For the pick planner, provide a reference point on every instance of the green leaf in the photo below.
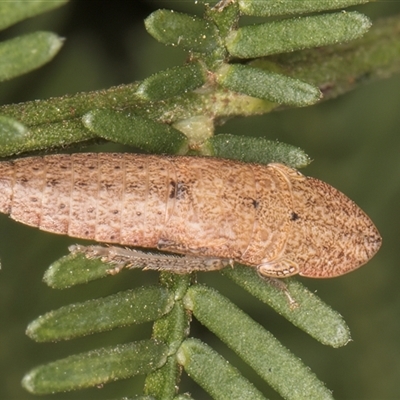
(136, 131)
(271, 8)
(12, 132)
(255, 345)
(257, 150)
(12, 12)
(96, 367)
(47, 136)
(267, 85)
(212, 372)
(138, 397)
(312, 315)
(134, 306)
(184, 30)
(341, 68)
(296, 34)
(184, 396)
(75, 269)
(225, 16)
(26, 53)
(172, 82)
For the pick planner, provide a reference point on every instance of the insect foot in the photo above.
(280, 285)
(212, 212)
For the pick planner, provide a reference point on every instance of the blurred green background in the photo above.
(354, 142)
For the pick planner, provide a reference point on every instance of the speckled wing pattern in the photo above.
(265, 216)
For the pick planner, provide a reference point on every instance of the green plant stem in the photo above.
(172, 330)
(12, 12)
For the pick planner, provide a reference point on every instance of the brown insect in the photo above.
(213, 211)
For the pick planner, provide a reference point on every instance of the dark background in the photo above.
(354, 142)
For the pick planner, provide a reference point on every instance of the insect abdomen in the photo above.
(104, 197)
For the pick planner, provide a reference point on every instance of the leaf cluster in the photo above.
(231, 70)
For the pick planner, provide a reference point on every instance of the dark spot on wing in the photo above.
(181, 190)
(81, 183)
(172, 189)
(53, 182)
(294, 216)
(178, 190)
(255, 203)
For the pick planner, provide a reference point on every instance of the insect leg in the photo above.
(279, 268)
(120, 257)
(279, 284)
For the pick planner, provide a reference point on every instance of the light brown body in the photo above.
(266, 216)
